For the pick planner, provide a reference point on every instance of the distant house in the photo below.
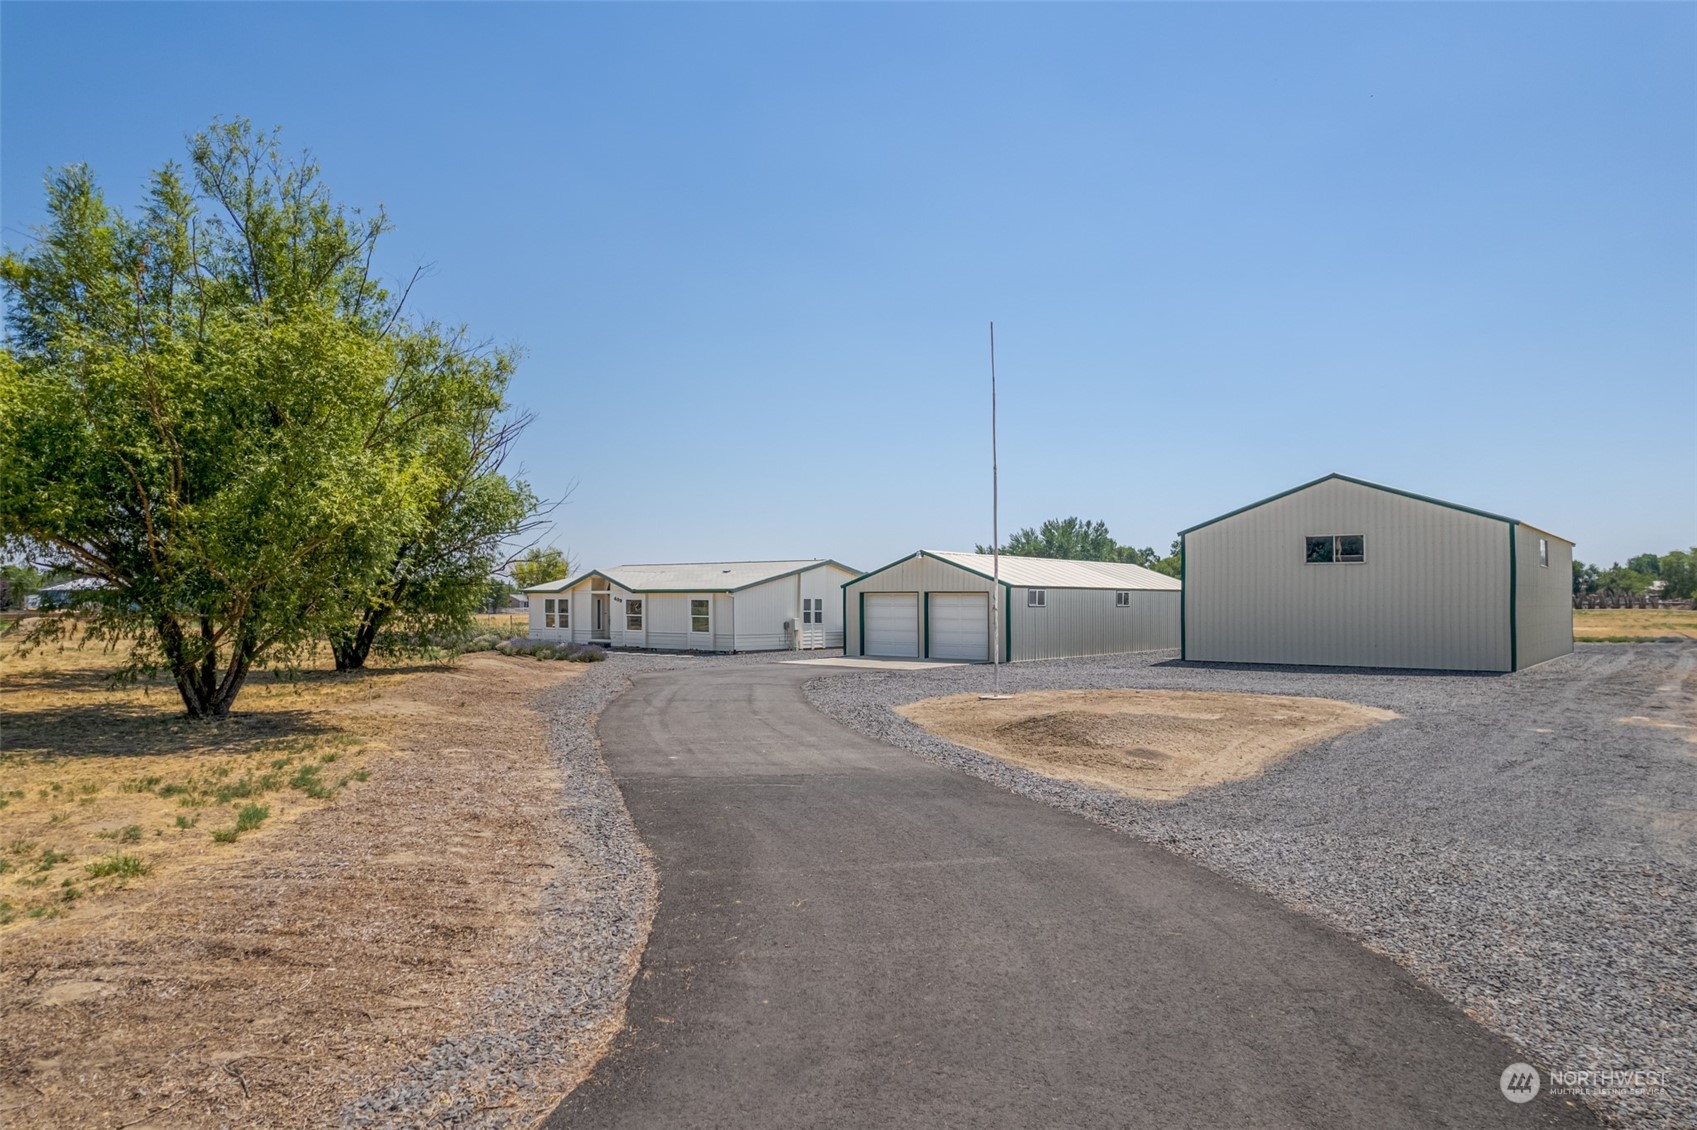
(937, 604)
(701, 606)
(65, 593)
(1343, 572)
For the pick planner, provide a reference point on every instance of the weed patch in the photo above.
(118, 865)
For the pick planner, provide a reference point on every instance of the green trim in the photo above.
(1513, 598)
(845, 621)
(1359, 483)
(1183, 597)
(862, 650)
(1007, 629)
(884, 568)
(925, 631)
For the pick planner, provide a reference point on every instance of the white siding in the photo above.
(621, 634)
(1090, 622)
(1432, 593)
(761, 612)
(667, 621)
(1543, 597)
(724, 622)
(826, 583)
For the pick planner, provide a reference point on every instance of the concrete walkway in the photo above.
(851, 936)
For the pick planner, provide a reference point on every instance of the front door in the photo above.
(812, 621)
(603, 626)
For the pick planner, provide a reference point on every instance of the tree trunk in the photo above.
(204, 693)
(353, 648)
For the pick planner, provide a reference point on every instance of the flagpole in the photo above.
(995, 526)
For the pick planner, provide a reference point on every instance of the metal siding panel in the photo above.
(1433, 592)
(1089, 622)
(1544, 597)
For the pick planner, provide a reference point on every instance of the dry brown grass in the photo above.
(1154, 744)
(267, 980)
(1627, 625)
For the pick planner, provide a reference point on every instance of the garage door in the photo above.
(892, 624)
(960, 626)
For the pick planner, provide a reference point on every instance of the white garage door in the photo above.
(960, 626)
(892, 624)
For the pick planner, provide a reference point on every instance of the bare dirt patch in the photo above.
(268, 980)
(1154, 744)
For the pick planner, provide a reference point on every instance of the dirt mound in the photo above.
(1157, 744)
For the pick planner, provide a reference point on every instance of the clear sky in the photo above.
(751, 250)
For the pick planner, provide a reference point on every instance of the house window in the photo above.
(1544, 552)
(633, 615)
(1328, 549)
(1037, 598)
(1122, 600)
(563, 611)
(812, 610)
(548, 613)
(700, 615)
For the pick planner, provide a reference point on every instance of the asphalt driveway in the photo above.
(849, 935)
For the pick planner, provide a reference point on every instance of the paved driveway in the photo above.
(849, 935)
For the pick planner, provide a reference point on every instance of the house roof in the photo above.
(698, 576)
(1370, 486)
(1049, 572)
(77, 584)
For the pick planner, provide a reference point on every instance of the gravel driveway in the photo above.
(1525, 844)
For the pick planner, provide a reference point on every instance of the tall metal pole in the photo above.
(995, 525)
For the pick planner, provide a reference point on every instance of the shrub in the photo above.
(118, 864)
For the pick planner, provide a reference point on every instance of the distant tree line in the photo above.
(1076, 539)
(213, 406)
(1677, 570)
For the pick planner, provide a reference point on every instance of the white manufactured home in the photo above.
(937, 605)
(1342, 572)
(704, 606)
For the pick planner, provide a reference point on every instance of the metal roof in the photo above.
(699, 576)
(1370, 486)
(1049, 572)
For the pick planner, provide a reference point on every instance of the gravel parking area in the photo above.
(1525, 844)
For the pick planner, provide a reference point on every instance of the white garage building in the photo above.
(936, 605)
(1341, 572)
(704, 606)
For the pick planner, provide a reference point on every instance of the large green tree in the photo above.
(448, 422)
(1074, 539)
(540, 565)
(213, 407)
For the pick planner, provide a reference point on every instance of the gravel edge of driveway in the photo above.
(540, 1032)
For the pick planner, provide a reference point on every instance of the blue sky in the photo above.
(751, 250)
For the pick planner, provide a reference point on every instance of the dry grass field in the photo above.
(1154, 744)
(250, 921)
(1632, 625)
